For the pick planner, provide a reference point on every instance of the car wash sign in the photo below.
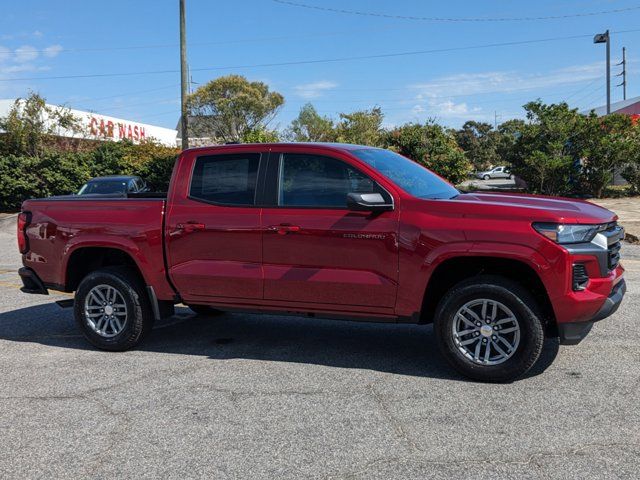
(93, 126)
(103, 127)
(119, 130)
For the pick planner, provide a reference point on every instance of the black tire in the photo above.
(206, 310)
(139, 316)
(517, 300)
(486, 177)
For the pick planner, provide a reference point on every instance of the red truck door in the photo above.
(315, 250)
(214, 245)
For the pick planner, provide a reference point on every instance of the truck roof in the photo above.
(327, 145)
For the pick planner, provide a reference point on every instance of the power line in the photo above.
(125, 94)
(582, 89)
(310, 62)
(453, 19)
(44, 51)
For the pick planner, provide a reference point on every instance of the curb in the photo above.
(631, 238)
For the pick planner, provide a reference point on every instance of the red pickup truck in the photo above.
(331, 230)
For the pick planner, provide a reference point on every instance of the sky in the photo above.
(418, 60)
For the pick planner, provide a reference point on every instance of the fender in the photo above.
(410, 299)
(151, 269)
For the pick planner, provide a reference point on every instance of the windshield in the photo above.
(407, 174)
(104, 187)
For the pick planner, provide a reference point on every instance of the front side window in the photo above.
(407, 174)
(318, 181)
(225, 179)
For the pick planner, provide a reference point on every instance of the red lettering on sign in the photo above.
(107, 129)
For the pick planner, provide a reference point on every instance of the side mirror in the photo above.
(368, 202)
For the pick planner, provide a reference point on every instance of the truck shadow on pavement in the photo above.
(399, 349)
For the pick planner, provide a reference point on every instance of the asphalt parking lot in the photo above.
(246, 396)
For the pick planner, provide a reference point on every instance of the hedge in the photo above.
(57, 172)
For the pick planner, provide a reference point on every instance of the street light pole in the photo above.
(184, 79)
(605, 38)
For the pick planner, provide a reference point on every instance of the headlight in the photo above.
(561, 233)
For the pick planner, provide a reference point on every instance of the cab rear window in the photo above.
(225, 179)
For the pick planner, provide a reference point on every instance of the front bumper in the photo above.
(573, 333)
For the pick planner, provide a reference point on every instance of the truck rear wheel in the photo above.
(112, 309)
(489, 329)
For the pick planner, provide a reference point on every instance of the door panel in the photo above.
(336, 257)
(329, 256)
(214, 249)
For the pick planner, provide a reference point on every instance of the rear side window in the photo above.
(319, 181)
(225, 179)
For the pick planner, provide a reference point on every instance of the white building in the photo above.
(94, 126)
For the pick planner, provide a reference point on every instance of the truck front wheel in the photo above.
(489, 329)
(112, 309)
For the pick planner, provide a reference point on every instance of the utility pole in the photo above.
(184, 79)
(605, 38)
(623, 74)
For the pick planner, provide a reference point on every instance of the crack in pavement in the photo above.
(529, 460)
(395, 423)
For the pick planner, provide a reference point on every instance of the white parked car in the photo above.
(495, 172)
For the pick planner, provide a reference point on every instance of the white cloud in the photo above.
(37, 33)
(25, 67)
(315, 89)
(52, 51)
(25, 54)
(5, 53)
(462, 84)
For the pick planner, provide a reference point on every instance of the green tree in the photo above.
(432, 146)
(479, 141)
(606, 145)
(260, 135)
(310, 126)
(506, 136)
(631, 168)
(229, 107)
(545, 152)
(362, 127)
(31, 124)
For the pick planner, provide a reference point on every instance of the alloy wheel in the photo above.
(105, 311)
(486, 331)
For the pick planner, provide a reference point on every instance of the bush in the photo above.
(433, 147)
(52, 173)
(61, 173)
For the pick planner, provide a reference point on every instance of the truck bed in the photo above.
(62, 226)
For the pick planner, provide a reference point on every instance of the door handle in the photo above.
(284, 228)
(191, 227)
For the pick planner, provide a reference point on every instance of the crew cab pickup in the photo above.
(331, 230)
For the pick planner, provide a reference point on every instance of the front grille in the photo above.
(613, 257)
(580, 277)
(613, 234)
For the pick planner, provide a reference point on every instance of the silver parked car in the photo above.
(495, 172)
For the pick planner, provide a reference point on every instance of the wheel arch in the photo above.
(455, 269)
(85, 259)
